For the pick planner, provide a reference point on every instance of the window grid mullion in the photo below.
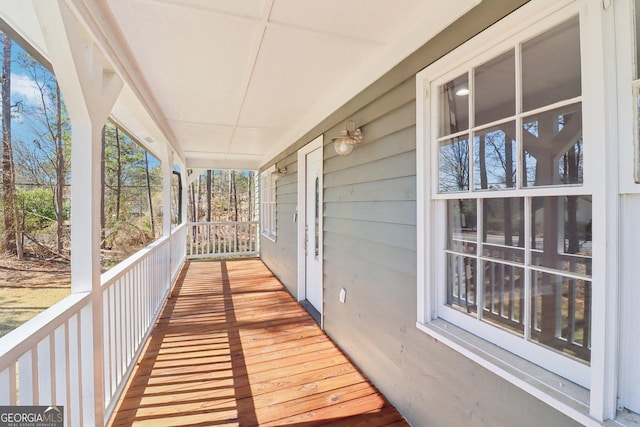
(528, 300)
(480, 297)
(472, 124)
(520, 172)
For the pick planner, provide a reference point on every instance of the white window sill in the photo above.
(559, 393)
(269, 237)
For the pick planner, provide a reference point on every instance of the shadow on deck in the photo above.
(232, 347)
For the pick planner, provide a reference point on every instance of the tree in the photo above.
(12, 240)
(118, 174)
(131, 181)
(209, 195)
(102, 189)
(149, 197)
(50, 128)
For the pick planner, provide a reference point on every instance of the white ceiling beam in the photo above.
(111, 41)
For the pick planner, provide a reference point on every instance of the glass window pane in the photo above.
(461, 283)
(561, 233)
(551, 66)
(454, 165)
(553, 147)
(454, 106)
(494, 157)
(462, 230)
(561, 314)
(494, 89)
(503, 225)
(504, 296)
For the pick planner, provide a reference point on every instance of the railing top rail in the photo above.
(178, 227)
(221, 222)
(26, 336)
(109, 277)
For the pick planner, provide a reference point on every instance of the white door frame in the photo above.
(301, 216)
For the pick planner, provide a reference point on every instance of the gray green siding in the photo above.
(370, 249)
(280, 256)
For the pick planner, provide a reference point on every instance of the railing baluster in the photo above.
(512, 292)
(223, 238)
(26, 378)
(43, 369)
(61, 368)
(5, 381)
(8, 383)
(73, 367)
(572, 311)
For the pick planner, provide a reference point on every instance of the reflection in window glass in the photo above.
(561, 233)
(462, 235)
(503, 229)
(454, 106)
(504, 296)
(561, 315)
(494, 89)
(495, 155)
(462, 231)
(553, 147)
(461, 282)
(551, 66)
(454, 164)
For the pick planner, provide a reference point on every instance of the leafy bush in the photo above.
(37, 207)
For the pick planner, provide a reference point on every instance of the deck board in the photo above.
(232, 347)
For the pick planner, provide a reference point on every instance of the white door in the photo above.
(313, 228)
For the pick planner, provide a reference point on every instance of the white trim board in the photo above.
(301, 214)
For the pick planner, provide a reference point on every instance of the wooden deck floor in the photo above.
(232, 347)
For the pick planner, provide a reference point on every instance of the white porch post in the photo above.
(90, 88)
(185, 199)
(167, 173)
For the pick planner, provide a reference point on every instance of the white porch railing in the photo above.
(52, 359)
(222, 239)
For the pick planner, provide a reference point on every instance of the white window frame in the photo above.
(591, 394)
(268, 205)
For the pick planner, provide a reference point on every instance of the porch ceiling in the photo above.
(233, 82)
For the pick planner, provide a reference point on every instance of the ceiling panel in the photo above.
(294, 70)
(374, 20)
(197, 61)
(255, 140)
(239, 80)
(203, 136)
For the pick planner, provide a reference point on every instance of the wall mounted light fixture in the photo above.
(279, 171)
(347, 139)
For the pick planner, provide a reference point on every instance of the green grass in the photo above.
(17, 305)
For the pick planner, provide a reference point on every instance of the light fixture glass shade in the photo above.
(344, 143)
(341, 147)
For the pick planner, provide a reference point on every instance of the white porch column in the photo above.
(90, 88)
(185, 199)
(167, 175)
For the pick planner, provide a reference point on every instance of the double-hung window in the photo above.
(507, 207)
(268, 203)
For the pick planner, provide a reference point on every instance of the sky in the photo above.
(25, 91)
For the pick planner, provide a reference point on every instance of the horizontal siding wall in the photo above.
(370, 250)
(280, 256)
